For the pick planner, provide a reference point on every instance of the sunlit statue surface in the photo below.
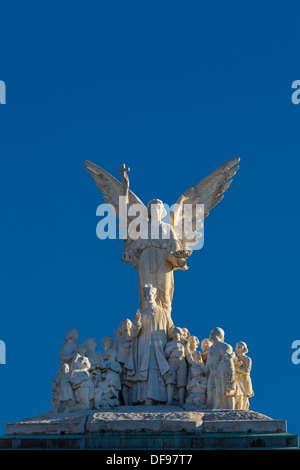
(164, 247)
(152, 361)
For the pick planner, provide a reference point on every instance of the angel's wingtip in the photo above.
(90, 171)
(232, 162)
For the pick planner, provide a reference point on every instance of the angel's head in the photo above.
(156, 209)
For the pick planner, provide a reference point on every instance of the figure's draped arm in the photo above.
(168, 349)
(131, 252)
(169, 328)
(189, 358)
(247, 367)
(135, 329)
(175, 242)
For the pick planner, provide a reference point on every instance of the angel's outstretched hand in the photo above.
(182, 253)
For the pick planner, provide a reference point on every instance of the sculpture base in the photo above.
(153, 441)
(154, 427)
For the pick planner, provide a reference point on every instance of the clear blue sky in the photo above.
(173, 89)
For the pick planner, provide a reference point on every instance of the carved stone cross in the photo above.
(123, 169)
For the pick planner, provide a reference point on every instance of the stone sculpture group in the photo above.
(151, 361)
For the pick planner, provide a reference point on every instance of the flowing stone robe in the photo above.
(61, 388)
(214, 357)
(152, 257)
(226, 375)
(147, 367)
(244, 384)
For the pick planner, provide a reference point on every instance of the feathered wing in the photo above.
(110, 187)
(209, 192)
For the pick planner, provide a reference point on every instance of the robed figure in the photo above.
(146, 367)
(156, 257)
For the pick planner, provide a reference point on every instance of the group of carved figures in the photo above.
(151, 361)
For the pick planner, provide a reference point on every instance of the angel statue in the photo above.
(157, 255)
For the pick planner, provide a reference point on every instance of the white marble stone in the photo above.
(152, 362)
(241, 421)
(151, 359)
(150, 419)
(50, 423)
(157, 257)
(146, 419)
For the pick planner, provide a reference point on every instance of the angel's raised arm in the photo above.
(111, 188)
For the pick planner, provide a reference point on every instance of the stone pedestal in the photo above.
(153, 427)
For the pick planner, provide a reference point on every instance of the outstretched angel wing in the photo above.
(209, 192)
(110, 187)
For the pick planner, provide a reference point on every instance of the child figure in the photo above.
(80, 351)
(107, 394)
(91, 351)
(109, 356)
(197, 386)
(185, 333)
(192, 355)
(95, 358)
(112, 365)
(205, 345)
(124, 336)
(107, 367)
(63, 395)
(82, 385)
(68, 348)
(123, 340)
(107, 344)
(243, 366)
(175, 354)
(225, 381)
